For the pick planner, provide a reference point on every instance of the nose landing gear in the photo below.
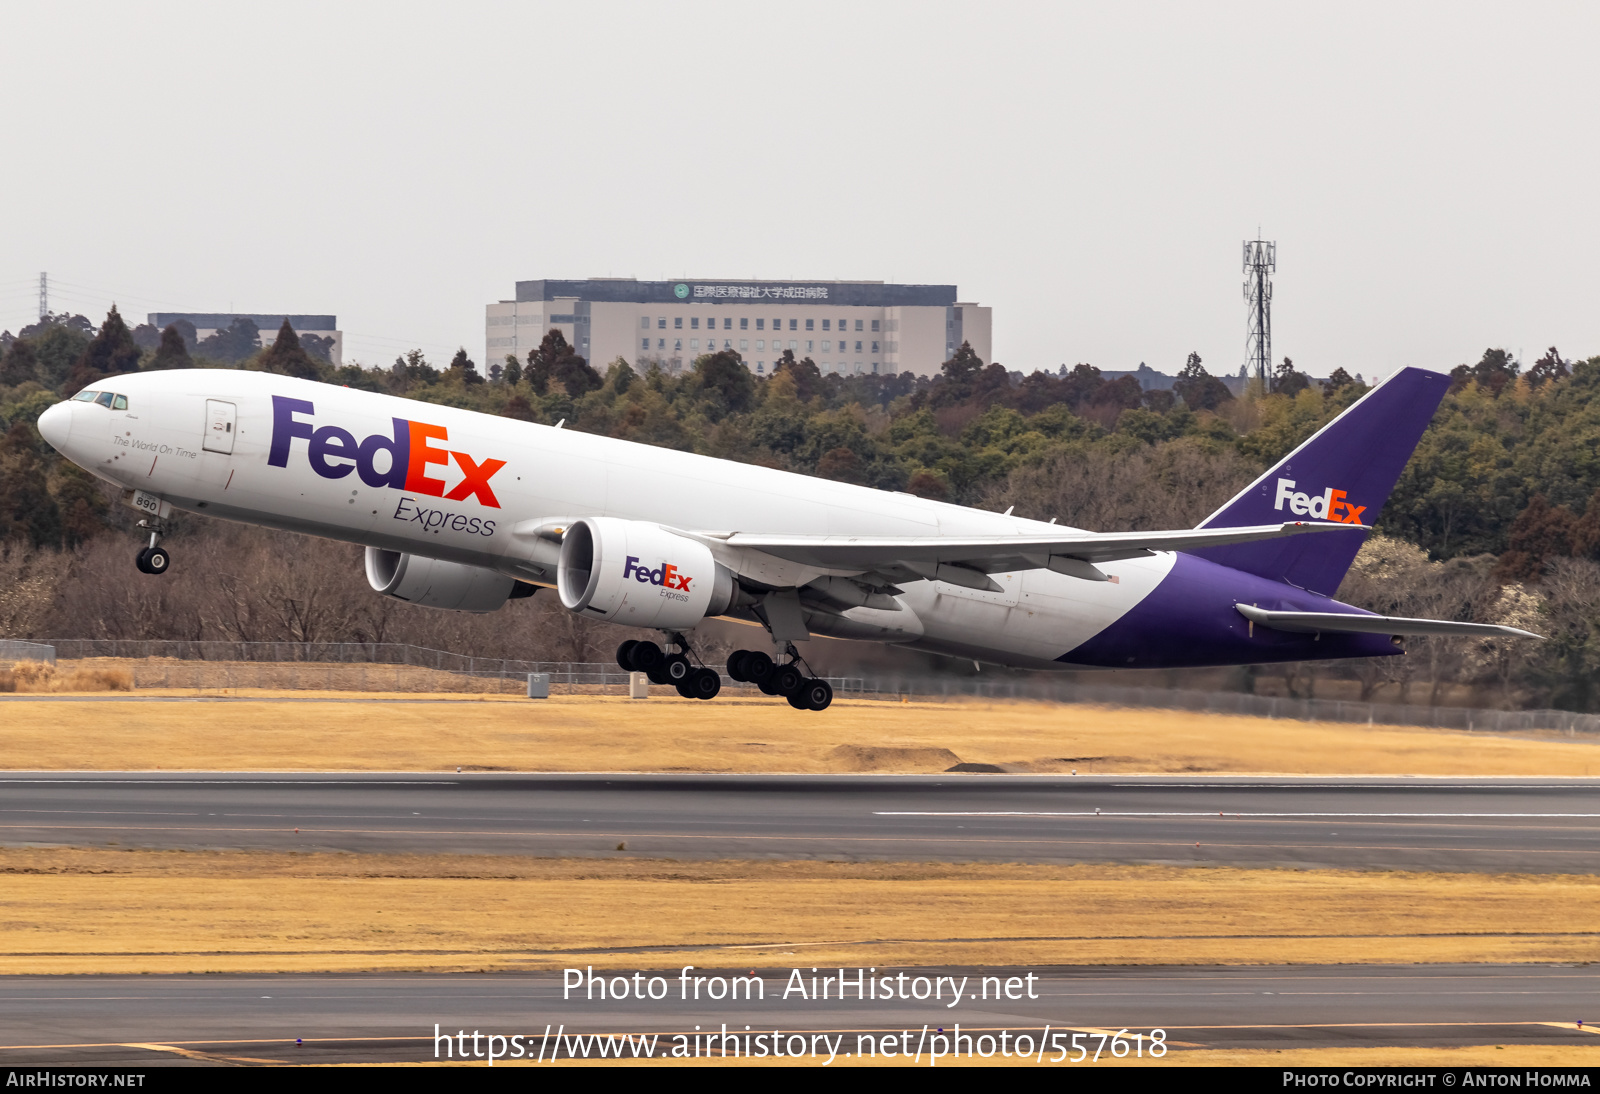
(153, 559)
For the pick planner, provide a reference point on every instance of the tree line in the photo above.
(1497, 515)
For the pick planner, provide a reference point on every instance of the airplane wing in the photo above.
(1313, 622)
(965, 560)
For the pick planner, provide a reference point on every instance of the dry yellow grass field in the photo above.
(80, 911)
(667, 733)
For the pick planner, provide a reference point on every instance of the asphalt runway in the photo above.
(113, 1021)
(1456, 824)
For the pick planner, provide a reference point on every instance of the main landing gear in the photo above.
(670, 668)
(752, 667)
(153, 559)
(803, 692)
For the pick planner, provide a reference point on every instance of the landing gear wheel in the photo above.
(758, 669)
(676, 669)
(787, 680)
(815, 695)
(701, 684)
(623, 652)
(153, 560)
(736, 661)
(645, 656)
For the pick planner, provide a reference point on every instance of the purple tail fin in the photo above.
(1343, 473)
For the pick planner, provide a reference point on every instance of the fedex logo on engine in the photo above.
(1324, 506)
(666, 575)
(405, 454)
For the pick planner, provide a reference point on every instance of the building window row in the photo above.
(744, 323)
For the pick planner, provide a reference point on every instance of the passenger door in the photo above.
(221, 421)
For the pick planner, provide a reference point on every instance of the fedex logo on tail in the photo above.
(1328, 505)
(405, 455)
(666, 575)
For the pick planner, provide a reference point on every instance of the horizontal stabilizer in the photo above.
(997, 554)
(1317, 622)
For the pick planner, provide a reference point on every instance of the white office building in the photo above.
(844, 326)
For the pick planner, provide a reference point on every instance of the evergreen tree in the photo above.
(1338, 381)
(1494, 371)
(1198, 389)
(464, 368)
(240, 339)
(318, 346)
(173, 352)
(513, 370)
(805, 374)
(726, 384)
(20, 364)
(57, 346)
(1286, 381)
(1548, 367)
(111, 351)
(27, 511)
(558, 361)
(286, 356)
(81, 503)
(960, 377)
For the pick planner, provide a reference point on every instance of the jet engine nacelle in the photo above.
(640, 575)
(433, 583)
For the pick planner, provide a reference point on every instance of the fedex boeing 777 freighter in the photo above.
(464, 511)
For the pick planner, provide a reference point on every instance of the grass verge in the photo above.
(596, 733)
(100, 911)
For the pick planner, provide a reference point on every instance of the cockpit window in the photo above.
(103, 398)
(120, 403)
(85, 396)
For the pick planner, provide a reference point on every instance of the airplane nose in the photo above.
(55, 425)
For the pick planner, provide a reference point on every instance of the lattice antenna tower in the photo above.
(1260, 262)
(44, 294)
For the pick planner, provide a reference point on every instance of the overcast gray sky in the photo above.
(1089, 171)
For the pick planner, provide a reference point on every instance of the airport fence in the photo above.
(398, 667)
(12, 651)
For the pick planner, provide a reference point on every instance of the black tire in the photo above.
(622, 654)
(645, 656)
(788, 680)
(704, 684)
(153, 560)
(658, 675)
(817, 694)
(736, 661)
(769, 686)
(797, 700)
(758, 668)
(677, 668)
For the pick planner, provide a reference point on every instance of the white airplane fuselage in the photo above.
(485, 491)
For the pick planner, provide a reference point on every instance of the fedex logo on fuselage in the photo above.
(334, 452)
(666, 575)
(1324, 506)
